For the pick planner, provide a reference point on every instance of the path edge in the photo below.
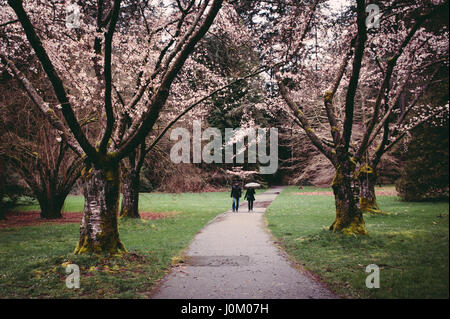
(149, 294)
(296, 264)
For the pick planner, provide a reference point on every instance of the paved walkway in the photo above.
(234, 257)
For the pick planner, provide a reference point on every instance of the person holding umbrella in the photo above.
(250, 195)
(236, 193)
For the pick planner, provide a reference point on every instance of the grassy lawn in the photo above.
(410, 244)
(33, 258)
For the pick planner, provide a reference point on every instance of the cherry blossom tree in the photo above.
(46, 165)
(30, 146)
(205, 76)
(421, 60)
(300, 83)
(2, 185)
(110, 51)
(121, 65)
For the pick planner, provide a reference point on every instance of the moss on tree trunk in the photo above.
(349, 219)
(130, 193)
(2, 207)
(98, 231)
(2, 189)
(367, 199)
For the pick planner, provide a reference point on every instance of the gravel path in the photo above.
(234, 257)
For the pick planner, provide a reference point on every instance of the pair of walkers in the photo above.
(236, 193)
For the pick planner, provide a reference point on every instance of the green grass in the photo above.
(410, 244)
(33, 258)
(73, 203)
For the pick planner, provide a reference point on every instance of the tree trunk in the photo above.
(2, 208)
(2, 189)
(130, 193)
(51, 205)
(367, 199)
(98, 231)
(349, 218)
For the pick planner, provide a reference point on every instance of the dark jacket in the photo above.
(250, 194)
(236, 191)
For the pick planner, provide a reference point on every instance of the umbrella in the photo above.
(251, 185)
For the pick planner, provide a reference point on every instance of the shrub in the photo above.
(425, 173)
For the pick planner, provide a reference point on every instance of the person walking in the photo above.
(250, 196)
(236, 193)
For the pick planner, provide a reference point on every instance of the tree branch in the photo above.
(327, 151)
(402, 134)
(177, 118)
(55, 80)
(354, 78)
(388, 74)
(43, 107)
(107, 71)
(138, 134)
(329, 95)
